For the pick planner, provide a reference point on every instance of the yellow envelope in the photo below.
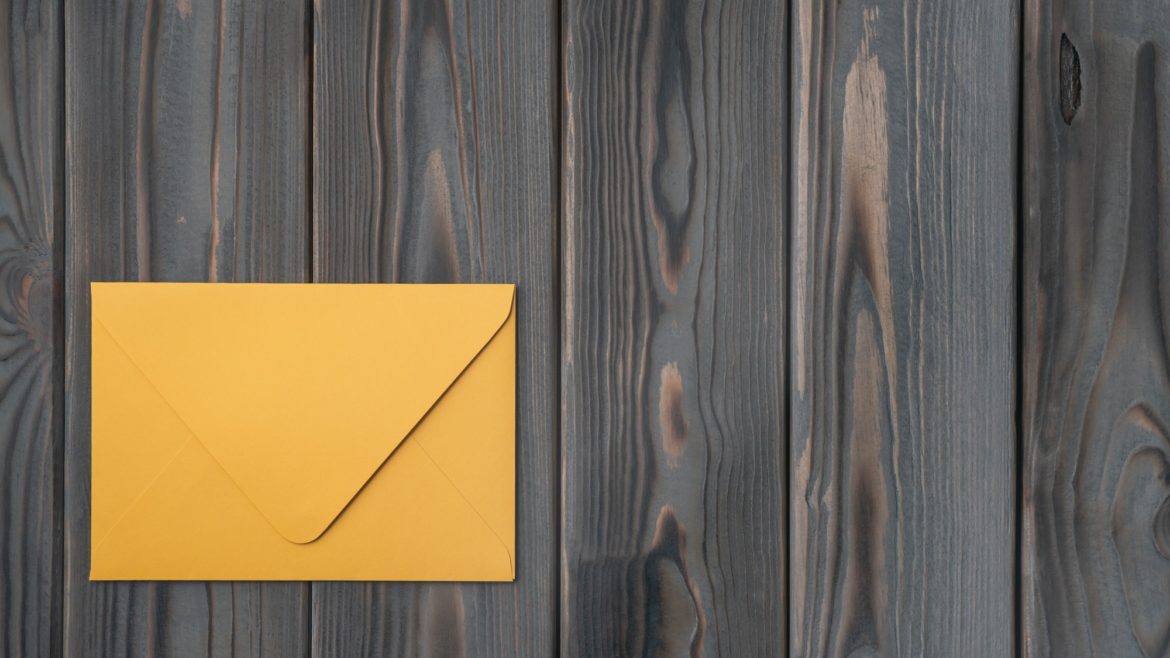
(303, 432)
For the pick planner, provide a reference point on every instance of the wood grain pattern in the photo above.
(187, 160)
(434, 153)
(32, 213)
(903, 324)
(1096, 329)
(672, 385)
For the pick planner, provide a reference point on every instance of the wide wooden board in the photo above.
(32, 214)
(1096, 329)
(672, 386)
(433, 161)
(903, 328)
(187, 127)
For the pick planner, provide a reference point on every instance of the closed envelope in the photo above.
(303, 432)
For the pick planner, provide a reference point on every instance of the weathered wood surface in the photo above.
(438, 141)
(1096, 329)
(32, 213)
(187, 128)
(903, 325)
(434, 156)
(673, 458)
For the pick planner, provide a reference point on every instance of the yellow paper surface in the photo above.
(303, 432)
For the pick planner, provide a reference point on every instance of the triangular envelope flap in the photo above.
(301, 391)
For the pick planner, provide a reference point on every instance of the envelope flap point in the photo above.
(301, 392)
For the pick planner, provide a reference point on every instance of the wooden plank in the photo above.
(187, 160)
(1096, 367)
(32, 213)
(673, 341)
(434, 154)
(903, 321)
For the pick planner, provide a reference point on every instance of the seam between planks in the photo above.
(556, 101)
(1018, 397)
(788, 217)
(61, 305)
(308, 631)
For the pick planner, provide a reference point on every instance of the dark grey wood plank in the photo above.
(1096, 329)
(434, 156)
(187, 159)
(675, 123)
(32, 213)
(903, 323)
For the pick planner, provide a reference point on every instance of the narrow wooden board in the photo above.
(674, 260)
(903, 323)
(1096, 329)
(32, 214)
(187, 160)
(434, 155)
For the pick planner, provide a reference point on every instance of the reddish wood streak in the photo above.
(671, 418)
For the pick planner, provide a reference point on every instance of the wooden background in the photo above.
(844, 326)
